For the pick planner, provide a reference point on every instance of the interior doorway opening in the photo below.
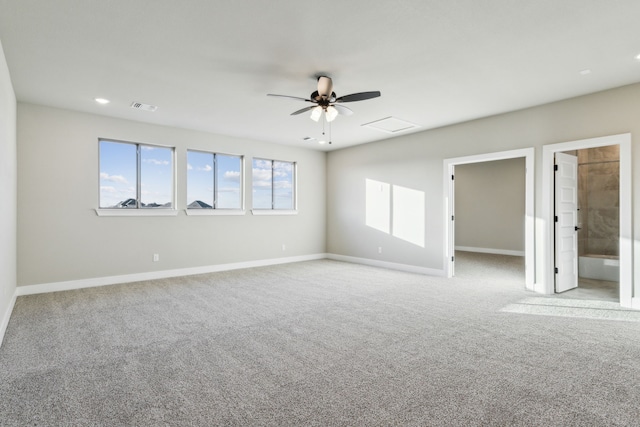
(597, 227)
(625, 242)
(449, 217)
(489, 217)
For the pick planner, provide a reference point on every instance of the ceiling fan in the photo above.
(325, 100)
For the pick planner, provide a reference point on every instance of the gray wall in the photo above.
(8, 188)
(489, 206)
(416, 161)
(62, 239)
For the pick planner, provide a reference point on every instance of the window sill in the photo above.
(214, 212)
(136, 212)
(273, 212)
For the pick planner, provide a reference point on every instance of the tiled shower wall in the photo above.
(598, 200)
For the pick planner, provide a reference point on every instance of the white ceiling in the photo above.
(208, 65)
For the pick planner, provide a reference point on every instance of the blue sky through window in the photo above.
(273, 182)
(118, 175)
(200, 180)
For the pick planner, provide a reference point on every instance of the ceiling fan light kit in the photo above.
(326, 101)
(316, 112)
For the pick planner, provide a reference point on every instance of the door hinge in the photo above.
(555, 167)
(452, 258)
(555, 270)
(555, 218)
(453, 218)
(452, 178)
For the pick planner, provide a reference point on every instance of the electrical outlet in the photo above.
(379, 249)
(156, 257)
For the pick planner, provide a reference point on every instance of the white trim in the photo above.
(635, 303)
(448, 170)
(152, 275)
(213, 212)
(490, 251)
(273, 212)
(6, 316)
(136, 212)
(626, 220)
(390, 265)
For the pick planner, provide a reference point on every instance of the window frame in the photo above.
(214, 210)
(294, 191)
(140, 210)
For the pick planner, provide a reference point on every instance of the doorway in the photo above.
(548, 199)
(594, 228)
(449, 219)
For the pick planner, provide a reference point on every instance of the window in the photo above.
(214, 181)
(273, 185)
(135, 176)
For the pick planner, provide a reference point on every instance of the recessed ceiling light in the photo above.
(585, 72)
(102, 101)
(322, 142)
(638, 57)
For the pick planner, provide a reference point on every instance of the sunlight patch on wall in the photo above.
(408, 215)
(395, 210)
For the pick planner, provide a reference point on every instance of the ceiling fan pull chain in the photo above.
(330, 133)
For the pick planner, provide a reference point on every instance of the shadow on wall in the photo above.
(395, 210)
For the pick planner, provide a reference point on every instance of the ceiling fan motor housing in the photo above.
(325, 87)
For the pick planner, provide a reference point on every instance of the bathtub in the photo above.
(601, 267)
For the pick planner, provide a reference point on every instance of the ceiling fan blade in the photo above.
(342, 110)
(302, 110)
(360, 96)
(292, 97)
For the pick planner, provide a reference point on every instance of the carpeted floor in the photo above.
(319, 343)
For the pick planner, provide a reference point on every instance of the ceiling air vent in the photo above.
(391, 125)
(145, 107)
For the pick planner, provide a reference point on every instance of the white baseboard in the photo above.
(635, 303)
(6, 316)
(136, 277)
(389, 265)
(490, 251)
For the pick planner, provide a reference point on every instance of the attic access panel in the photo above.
(391, 125)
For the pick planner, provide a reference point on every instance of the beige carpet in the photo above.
(319, 343)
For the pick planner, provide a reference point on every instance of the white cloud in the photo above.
(261, 174)
(107, 189)
(206, 168)
(232, 175)
(156, 162)
(282, 184)
(283, 166)
(113, 178)
(189, 167)
(262, 164)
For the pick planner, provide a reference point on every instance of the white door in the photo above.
(566, 220)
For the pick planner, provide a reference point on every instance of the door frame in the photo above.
(626, 237)
(529, 234)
